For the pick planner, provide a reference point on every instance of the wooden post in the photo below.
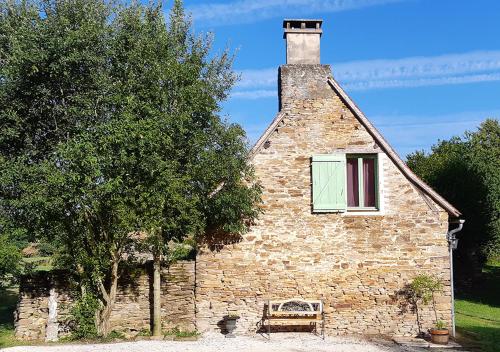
(157, 296)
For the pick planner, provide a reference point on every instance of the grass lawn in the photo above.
(478, 313)
(39, 263)
(8, 299)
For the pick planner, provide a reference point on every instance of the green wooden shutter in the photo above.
(329, 182)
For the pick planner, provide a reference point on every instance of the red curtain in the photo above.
(369, 182)
(352, 183)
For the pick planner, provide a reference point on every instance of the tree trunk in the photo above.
(157, 296)
(103, 325)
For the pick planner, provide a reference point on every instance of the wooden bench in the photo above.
(295, 311)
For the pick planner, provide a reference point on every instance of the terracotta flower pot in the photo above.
(440, 336)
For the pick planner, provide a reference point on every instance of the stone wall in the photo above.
(133, 309)
(358, 263)
(32, 311)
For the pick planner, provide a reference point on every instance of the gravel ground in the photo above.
(216, 343)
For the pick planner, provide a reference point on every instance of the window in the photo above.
(362, 188)
(343, 182)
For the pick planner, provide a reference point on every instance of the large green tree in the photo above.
(465, 171)
(116, 116)
(9, 261)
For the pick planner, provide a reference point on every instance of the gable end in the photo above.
(385, 146)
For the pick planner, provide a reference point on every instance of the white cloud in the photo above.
(258, 78)
(249, 11)
(478, 66)
(418, 67)
(254, 94)
(423, 82)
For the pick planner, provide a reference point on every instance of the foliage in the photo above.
(181, 333)
(424, 286)
(144, 332)
(83, 314)
(182, 251)
(10, 258)
(441, 325)
(8, 299)
(421, 292)
(233, 315)
(110, 126)
(115, 335)
(465, 171)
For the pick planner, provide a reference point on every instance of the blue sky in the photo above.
(421, 70)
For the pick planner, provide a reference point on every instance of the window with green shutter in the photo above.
(343, 182)
(329, 183)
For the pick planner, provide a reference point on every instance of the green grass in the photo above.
(39, 263)
(8, 299)
(478, 312)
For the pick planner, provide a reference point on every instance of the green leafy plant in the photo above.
(233, 315)
(115, 335)
(10, 259)
(424, 286)
(181, 333)
(144, 332)
(422, 290)
(83, 314)
(440, 325)
(464, 169)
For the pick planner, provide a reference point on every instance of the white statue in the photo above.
(51, 333)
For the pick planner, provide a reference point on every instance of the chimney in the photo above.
(302, 41)
(302, 77)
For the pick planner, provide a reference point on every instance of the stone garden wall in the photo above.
(132, 312)
(358, 263)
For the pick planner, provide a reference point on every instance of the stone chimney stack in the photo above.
(302, 41)
(302, 79)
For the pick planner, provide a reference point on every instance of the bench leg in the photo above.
(269, 329)
(323, 328)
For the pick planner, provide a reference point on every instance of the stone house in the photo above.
(345, 220)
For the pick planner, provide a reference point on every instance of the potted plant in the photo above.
(440, 334)
(230, 320)
(422, 290)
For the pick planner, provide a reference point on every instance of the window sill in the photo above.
(327, 211)
(357, 209)
(363, 212)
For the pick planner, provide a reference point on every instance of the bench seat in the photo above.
(295, 311)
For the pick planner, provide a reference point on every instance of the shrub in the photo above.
(83, 316)
(180, 333)
(422, 290)
(424, 286)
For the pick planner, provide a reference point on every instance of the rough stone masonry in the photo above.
(132, 310)
(358, 263)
